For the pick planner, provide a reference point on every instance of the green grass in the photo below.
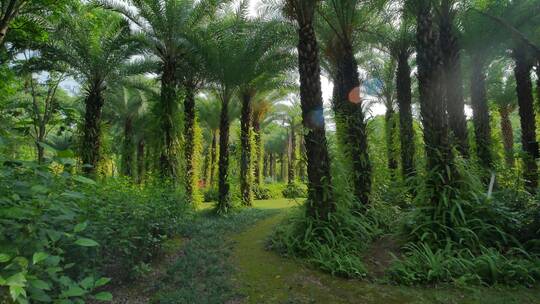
(265, 277)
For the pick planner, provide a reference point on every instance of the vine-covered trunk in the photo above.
(128, 148)
(245, 157)
(140, 160)
(266, 165)
(272, 160)
(390, 129)
(224, 199)
(91, 144)
(350, 123)
(213, 155)
(258, 152)
(439, 158)
(453, 80)
(282, 167)
(292, 156)
(479, 103)
(320, 202)
(404, 100)
(189, 137)
(168, 162)
(507, 135)
(522, 70)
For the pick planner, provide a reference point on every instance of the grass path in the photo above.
(265, 277)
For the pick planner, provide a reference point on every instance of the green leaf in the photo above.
(103, 296)
(84, 180)
(87, 282)
(18, 279)
(4, 258)
(102, 281)
(86, 242)
(80, 227)
(39, 256)
(39, 189)
(39, 284)
(74, 291)
(16, 292)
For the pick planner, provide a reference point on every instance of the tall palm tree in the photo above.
(208, 109)
(343, 22)
(94, 43)
(165, 26)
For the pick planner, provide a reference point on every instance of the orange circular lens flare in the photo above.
(354, 95)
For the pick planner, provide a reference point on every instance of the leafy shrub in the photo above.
(333, 246)
(294, 190)
(61, 231)
(211, 195)
(261, 193)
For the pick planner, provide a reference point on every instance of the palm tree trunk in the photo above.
(453, 80)
(292, 156)
(266, 165)
(432, 107)
(213, 155)
(273, 166)
(168, 157)
(349, 114)
(406, 131)
(320, 202)
(224, 199)
(189, 136)
(522, 71)
(140, 160)
(91, 143)
(507, 135)
(245, 157)
(258, 152)
(282, 174)
(390, 129)
(127, 151)
(482, 129)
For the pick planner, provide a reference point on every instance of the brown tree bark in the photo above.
(189, 137)
(224, 199)
(453, 80)
(245, 157)
(507, 135)
(406, 131)
(522, 72)
(479, 103)
(349, 114)
(91, 143)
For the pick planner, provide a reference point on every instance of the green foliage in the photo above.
(261, 192)
(211, 195)
(334, 246)
(294, 190)
(55, 225)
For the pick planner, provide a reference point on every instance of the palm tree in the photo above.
(166, 26)
(343, 21)
(453, 80)
(320, 203)
(290, 113)
(94, 43)
(434, 119)
(502, 92)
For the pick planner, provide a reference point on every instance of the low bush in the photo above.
(62, 233)
(294, 190)
(211, 195)
(261, 193)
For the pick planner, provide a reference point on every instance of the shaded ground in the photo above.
(265, 277)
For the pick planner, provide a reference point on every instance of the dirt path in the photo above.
(264, 277)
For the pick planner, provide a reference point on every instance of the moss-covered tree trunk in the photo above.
(91, 143)
(439, 157)
(292, 155)
(406, 131)
(190, 144)
(140, 160)
(245, 157)
(320, 202)
(258, 152)
(350, 123)
(390, 127)
(128, 148)
(213, 157)
(224, 199)
(453, 80)
(522, 70)
(507, 135)
(479, 103)
(168, 160)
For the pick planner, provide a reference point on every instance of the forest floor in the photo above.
(224, 260)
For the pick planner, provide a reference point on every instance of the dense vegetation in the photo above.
(119, 119)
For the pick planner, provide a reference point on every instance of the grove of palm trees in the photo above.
(269, 151)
